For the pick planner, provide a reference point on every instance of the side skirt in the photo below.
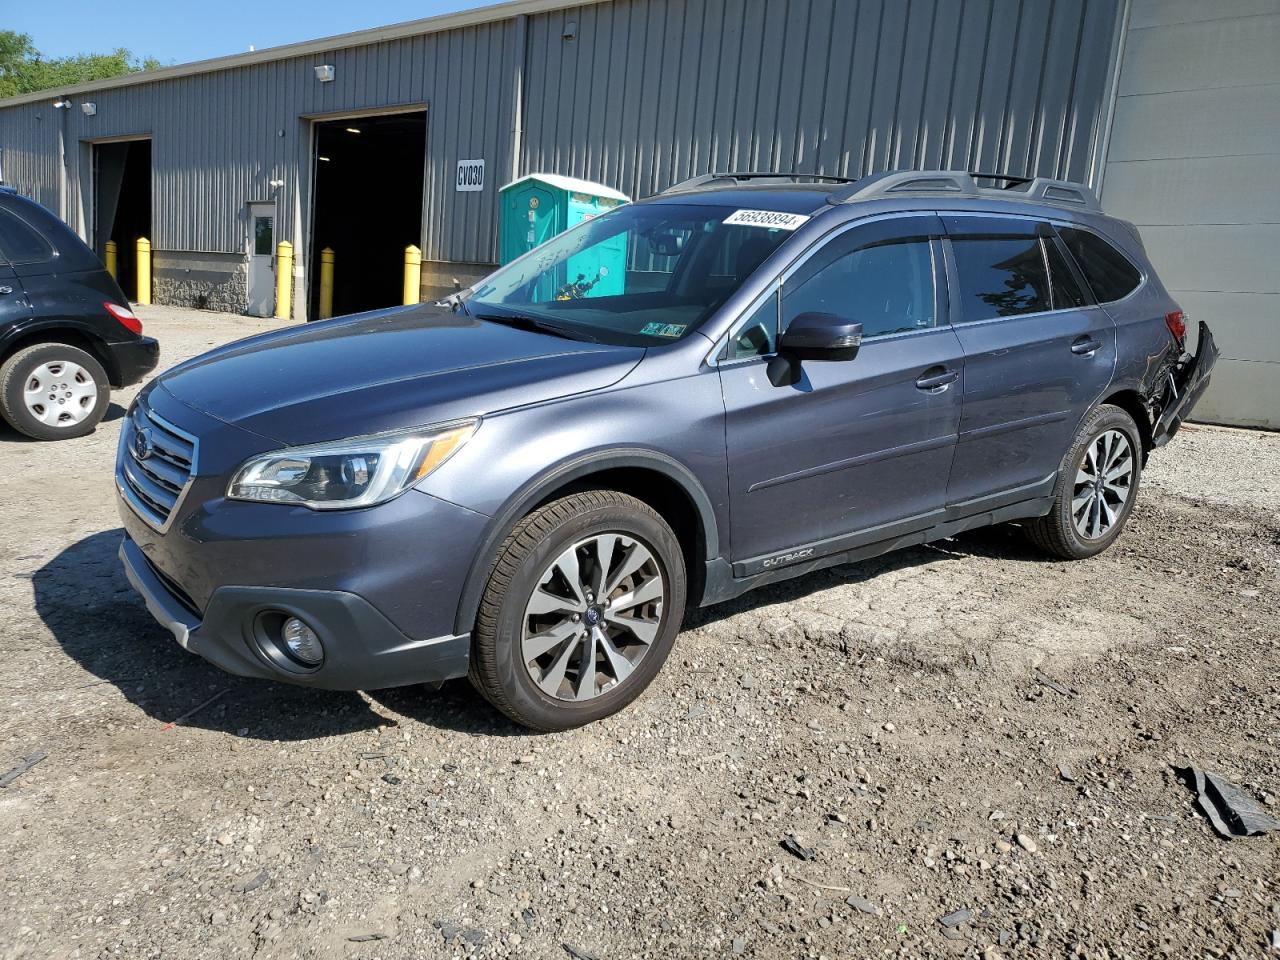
(722, 584)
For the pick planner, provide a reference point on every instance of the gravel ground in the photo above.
(962, 727)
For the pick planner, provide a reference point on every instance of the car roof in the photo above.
(810, 194)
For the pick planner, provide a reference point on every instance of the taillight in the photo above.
(124, 316)
(1176, 321)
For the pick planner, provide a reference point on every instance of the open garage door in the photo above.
(122, 204)
(367, 207)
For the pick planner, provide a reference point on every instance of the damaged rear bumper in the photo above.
(1187, 383)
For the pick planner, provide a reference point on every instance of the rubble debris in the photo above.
(25, 764)
(1232, 812)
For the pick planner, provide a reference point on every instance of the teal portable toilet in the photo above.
(540, 206)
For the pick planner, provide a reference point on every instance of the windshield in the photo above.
(641, 275)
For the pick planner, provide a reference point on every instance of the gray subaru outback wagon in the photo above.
(744, 379)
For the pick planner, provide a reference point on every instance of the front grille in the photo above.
(155, 464)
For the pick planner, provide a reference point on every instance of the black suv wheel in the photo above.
(581, 609)
(1096, 489)
(52, 391)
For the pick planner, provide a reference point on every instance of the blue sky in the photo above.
(178, 31)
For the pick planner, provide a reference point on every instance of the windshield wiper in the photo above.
(525, 322)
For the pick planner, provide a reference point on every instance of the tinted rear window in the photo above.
(1000, 277)
(1107, 270)
(20, 243)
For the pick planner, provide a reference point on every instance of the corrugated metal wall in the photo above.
(653, 91)
(648, 92)
(218, 139)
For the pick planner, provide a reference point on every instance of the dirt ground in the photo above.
(962, 726)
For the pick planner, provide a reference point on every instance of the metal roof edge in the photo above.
(477, 16)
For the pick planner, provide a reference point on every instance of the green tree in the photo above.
(24, 70)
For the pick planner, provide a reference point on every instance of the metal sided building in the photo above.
(366, 143)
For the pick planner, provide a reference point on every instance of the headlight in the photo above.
(344, 474)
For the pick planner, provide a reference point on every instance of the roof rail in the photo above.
(963, 184)
(707, 179)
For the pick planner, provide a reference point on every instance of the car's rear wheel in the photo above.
(1096, 488)
(581, 609)
(52, 391)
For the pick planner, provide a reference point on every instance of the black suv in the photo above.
(67, 335)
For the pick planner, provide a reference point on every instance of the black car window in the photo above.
(1108, 271)
(756, 334)
(886, 286)
(1066, 289)
(20, 243)
(1000, 276)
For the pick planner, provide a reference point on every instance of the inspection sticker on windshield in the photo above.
(770, 219)
(663, 329)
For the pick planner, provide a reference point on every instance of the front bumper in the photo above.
(1187, 384)
(135, 359)
(363, 649)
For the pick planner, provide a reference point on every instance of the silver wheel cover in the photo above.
(60, 393)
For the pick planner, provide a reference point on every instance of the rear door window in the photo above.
(1108, 271)
(19, 241)
(1000, 276)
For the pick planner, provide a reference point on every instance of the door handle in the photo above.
(5, 290)
(937, 378)
(1085, 346)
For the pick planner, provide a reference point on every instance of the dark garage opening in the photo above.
(122, 204)
(368, 207)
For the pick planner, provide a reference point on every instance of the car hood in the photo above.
(386, 371)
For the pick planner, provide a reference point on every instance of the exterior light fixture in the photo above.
(324, 73)
(62, 103)
(353, 129)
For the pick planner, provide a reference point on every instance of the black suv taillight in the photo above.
(125, 317)
(1176, 321)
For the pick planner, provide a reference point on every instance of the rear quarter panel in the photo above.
(1145, 348)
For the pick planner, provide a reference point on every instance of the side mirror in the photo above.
(821, 336)
(813, 336)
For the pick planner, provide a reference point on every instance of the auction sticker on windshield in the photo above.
(771, 219)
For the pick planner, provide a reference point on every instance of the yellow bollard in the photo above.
(284, 280)
(109, 253)
(326, 283)
(412, 275)
(144, 270)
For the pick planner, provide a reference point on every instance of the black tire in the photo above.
(18, 370)
(498, 669)
(1057, 533)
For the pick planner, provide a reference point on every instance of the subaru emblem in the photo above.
(142, 445)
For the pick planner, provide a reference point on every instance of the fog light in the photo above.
(301, 642)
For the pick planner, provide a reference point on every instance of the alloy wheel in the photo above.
(594, 614)
(60, 393)
(1104, 481)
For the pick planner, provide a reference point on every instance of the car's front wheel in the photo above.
(52, 391)
(1096, 489)
(581, 609)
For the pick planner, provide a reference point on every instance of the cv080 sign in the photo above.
(470, 175)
